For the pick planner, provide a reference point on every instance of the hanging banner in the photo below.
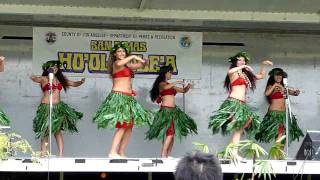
(85, 52)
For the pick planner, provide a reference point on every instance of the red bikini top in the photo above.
(276, 95)
(166, 92)
(54, 87)
(170, 91)
(239, 81)
(126, 72)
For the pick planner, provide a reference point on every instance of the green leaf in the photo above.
(276, 150)
(250, 149)
(202, 147)
(264, 168)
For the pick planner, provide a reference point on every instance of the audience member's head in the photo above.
(199, 166)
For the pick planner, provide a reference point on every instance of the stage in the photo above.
(148, 167)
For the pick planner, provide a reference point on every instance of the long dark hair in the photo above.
(62, 79)
(155, 91)
(249, 74)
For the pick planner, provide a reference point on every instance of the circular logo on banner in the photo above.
(185, 41)
(51, 37)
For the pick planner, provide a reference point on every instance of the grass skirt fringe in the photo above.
(119, 107)
(233, 115)
(4, 119)
(271, 123)
(63, 117)
(183, 124)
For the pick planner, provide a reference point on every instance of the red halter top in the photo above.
(126, 72)
(238, 82)
(166, 92)
(276, 95)
(54, 87)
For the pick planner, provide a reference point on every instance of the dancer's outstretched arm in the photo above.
(76, 83)
(263, 71)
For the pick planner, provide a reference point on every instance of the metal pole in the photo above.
(50, 121)
(287, 129)
(288, 113)
(50, 118)
(183, 98)
(288, 119)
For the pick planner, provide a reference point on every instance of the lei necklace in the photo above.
(246, 79)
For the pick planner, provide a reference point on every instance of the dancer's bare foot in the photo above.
(163, 156)
(42, 154)
(123, 156)
(114, 155)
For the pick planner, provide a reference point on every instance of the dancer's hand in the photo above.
(179, 82)
(189, 86)
(248, 68)
(146, 61)
(2, 63)
(139, 59)
(296, 92)
(267, 63)
(278, 86)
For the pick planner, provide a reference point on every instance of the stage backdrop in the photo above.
(85, 52)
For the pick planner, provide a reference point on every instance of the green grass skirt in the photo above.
(63, 117)
(233, 115)
(4, 119)
(271, 123)
(119, 107)
(183, 124)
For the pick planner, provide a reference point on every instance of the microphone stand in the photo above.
(288, 112)
(51, 76)
(50, 110)
(184, 97)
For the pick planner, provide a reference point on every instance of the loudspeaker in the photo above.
(310, 147)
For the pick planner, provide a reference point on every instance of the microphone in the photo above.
(285, 83)
(51, 75)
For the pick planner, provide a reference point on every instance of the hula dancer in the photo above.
(234, 116)
(4, 119)
(273, 126)
(120, 109)
(169, 121)
(63, 116)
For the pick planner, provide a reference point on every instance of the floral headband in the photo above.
(49, 64)
(243, 54)
(123, 45)
(278, 71)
